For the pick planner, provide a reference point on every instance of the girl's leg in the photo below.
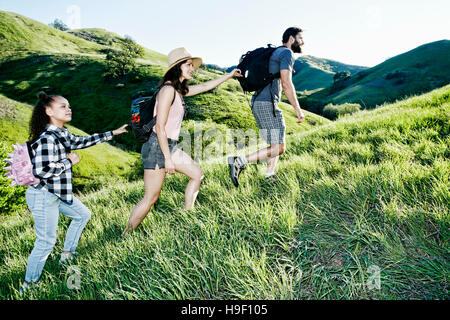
(45, 209)
(185, 165)
(153, 182)
(80, 216)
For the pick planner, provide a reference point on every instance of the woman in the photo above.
(51, 145)
(160, 155)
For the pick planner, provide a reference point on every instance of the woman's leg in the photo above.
(185, 165)
(80, 216)
(45, 209)
(153, 182)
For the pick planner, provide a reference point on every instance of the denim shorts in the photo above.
(152, 155)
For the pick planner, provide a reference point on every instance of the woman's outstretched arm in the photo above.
(211, 84)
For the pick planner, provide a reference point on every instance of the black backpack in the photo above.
(254, 66)
(142, 120)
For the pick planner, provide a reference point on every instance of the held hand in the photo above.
(170, 166)
(300, 116)
(120, 130)
(74, 158)
(235, 73)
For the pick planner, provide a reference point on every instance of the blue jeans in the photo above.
(45, 207)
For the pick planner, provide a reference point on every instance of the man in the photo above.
(268, 116)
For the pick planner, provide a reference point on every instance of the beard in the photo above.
(296, 48)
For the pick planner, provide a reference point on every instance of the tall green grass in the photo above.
(368, 191)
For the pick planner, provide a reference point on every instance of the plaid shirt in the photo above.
(50, 162)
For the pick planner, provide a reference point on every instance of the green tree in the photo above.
(121, 62)
(59, 24)
(341, 76)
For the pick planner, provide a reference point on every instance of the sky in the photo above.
(364, 32)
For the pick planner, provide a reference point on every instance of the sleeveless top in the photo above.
(176, 114)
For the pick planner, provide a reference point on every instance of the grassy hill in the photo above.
(312, 73)
(22, 35)
(365, 196)
(99, 104)
(113, 40)
(417, 71)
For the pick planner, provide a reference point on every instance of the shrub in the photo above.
(11, 198)
(333, 112)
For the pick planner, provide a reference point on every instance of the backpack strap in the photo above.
(149, 126)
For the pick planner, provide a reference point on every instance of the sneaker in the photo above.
(236, 167)
(27, 286)
(67, 257)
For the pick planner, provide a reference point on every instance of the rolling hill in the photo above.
(98, 103)
(417, 71)
(113, 40)
(22, 35)
(312, 73)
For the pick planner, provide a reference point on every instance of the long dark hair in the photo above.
(173, 75)
(39, 118)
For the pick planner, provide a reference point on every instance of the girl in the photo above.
(160, 154)
(51, 145)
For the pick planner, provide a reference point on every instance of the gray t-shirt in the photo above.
(281, 59)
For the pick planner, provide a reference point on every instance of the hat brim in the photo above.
(196, 61)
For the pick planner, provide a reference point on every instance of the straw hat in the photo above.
(180, 54)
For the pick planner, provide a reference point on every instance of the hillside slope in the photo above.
(113, 40)
(100, 103)
(19, 34)
(312, 73)
(360, 211)
(417, 71)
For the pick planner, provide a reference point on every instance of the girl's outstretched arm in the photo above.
(211, 84)
(81, 142)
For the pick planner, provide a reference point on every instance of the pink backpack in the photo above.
(20, 170)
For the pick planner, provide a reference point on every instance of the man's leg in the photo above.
(272, 130)
(270, 152)
(272, 165)
(237, 164)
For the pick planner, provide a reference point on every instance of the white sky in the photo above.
(353, 32)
